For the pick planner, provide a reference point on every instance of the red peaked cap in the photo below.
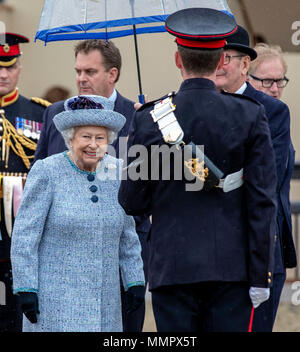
(201, 28)
(9, 47)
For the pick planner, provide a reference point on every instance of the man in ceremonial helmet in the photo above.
(211, 246)
(20, 125)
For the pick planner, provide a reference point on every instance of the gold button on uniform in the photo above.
(270, 274)
(269, 281)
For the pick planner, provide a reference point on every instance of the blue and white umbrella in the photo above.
(107, 19)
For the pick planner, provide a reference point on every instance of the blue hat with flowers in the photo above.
(89, 110)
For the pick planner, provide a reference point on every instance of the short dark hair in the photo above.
(200, 61)
(110, 53)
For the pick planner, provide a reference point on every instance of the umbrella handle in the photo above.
(142, 98)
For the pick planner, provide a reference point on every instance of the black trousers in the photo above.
(10, 312)
(202, 307)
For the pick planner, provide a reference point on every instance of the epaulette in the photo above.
(41, 101)
(153, 102)
(241, 96)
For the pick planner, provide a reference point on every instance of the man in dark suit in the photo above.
(269, 70)
(233, 78)
(98, 67)
(211, 249)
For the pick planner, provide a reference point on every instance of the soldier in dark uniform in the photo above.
(211, 246)
(20, 125)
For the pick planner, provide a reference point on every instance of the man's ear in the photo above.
(113, 74)
(178, 60)
(246, 64)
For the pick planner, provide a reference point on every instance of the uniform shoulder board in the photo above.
(153, 102)
(41, 101)
(241, 96)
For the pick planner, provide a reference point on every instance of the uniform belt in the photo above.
(163, 115)
(232, 181)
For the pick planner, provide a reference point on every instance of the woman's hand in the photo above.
(29, 305)
(134, 298)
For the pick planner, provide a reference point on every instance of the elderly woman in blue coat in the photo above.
(71, 236)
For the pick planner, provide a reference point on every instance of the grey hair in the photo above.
(266, 52)
(68, 134)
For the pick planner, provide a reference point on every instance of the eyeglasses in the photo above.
(227, 58)
(268, 82)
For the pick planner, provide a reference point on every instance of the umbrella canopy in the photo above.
(107, 19)
(86, 19)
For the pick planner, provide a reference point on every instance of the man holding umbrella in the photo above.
(211, 250)
(97, 68)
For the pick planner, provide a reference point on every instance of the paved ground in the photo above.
(288, 315)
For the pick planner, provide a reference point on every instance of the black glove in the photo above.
(29, 305)
(134, 298)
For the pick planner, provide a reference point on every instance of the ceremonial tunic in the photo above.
(70, 238)
(200, 236)
(30, 111)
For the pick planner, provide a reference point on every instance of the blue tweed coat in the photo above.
(70, 238)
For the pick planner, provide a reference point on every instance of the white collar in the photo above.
(241, 89)
(113, 97)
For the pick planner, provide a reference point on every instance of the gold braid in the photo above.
(9, 133)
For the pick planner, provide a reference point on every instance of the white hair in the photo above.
(68, 134)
